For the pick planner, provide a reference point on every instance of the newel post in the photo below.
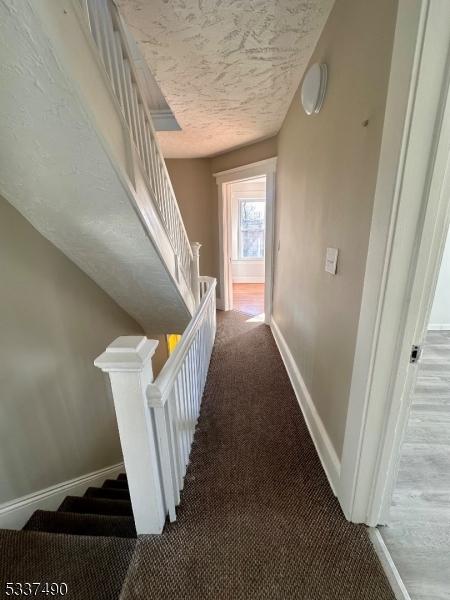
(195, 271)
(128, 361)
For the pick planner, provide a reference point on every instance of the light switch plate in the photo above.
(331, 260)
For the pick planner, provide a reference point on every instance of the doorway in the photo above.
(247, 233)
(246, 223)
(408, 234)
(418, 532)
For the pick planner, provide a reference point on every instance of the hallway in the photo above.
(257, 517)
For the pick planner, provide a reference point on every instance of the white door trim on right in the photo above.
(265, 168)
(408, 215)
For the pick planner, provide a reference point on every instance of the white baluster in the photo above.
(195, 272)
(135, 99)
(129, 87)
(165, 445)
(107, 30)
(107, 34)
(128, 362)
(180, 433)
(187, 419)
(123, 79)
(173, 419)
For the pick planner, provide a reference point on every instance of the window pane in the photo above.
(251, 229)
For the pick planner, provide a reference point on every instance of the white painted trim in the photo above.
(265, 168)
(404, 66)
(394, 578)
(269, 273)
(223, 300)
(424, 261)
(319, 435)
(14, 514)
(378, 405)
(128, 362)
(261, 167)
(439, 327)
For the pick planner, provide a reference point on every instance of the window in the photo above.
(252, 216)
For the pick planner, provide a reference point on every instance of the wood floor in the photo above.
(248, 298)
(418, 537)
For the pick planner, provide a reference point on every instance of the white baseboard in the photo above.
(394, 578)
(322, 442)
(439, 327)
(14, 514)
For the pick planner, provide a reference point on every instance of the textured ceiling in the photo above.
(227, 68)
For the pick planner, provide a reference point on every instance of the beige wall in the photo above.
(245, 155)
(57, 420)
(161, 354)
(326, 174)
(191, 180)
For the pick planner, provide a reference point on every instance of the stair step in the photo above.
(92, 567)
(111, 493)
(96, 506)
(122, 477)
(81, 524)
(120, 484)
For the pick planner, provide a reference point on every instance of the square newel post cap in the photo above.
(127, 353)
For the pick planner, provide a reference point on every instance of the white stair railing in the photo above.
(176, 393)
(111, 40)
(157, 419)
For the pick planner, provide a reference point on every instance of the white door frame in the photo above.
(407, 237)
(224, 179)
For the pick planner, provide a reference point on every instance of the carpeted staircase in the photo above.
(102, 511)
(87, 544)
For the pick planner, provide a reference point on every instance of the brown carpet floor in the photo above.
(257, 519)
(92, 567)
(86, 544)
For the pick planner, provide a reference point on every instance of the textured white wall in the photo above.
(63, 158)
(440, 313)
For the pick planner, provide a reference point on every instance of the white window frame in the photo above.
(239, 232)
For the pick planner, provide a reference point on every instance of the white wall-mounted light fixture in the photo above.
(313, 88)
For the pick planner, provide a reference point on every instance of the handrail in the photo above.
(107, 30)
(175, 396)
(157, 420)
(159, 390)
